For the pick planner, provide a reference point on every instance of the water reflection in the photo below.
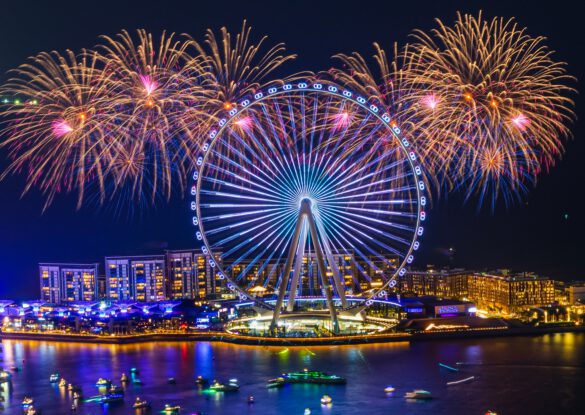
(545, 371)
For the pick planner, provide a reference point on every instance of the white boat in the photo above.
(326, 400)
(389, 389)
(418, 394)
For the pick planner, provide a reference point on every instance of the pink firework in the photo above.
(430, 101)
(60, 128)
(149, 84)
(521, 121)
(341, 120)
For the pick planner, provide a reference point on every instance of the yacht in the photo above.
(418, 394)
(4, 376)
(275, 383)
(27, 402)
(326, 400)
(140, 404)
(171, 410)
(124, 378)
(313, 376)
(231, 386)
(62, 383)
(116, 389)
(101, 383)
(54, 378)
(200, 380)
(171, 381)
(389, 389)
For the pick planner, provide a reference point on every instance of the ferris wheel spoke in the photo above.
(247, 240)
(241, 223)
(351, 233)
(260, 255)
(344, 216)
(241, 178)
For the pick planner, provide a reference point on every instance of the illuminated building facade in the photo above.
(440, 283)
(136, 278)
(191, 276)
(181, 281)
(510, 293)
(62, 282)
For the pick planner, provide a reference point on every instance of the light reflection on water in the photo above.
(518, 375)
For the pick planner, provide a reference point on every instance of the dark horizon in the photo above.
(541, 234)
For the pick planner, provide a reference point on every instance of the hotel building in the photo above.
(135, 278)
(510, 293)
(440, 283)
(62, 282)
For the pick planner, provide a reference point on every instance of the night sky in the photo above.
(544, 233)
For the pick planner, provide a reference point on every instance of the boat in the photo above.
(171, 410)
(124, 378)
(27, 402)
(457, 382)
(418, 394)
(250, 399)
(171, 381)
(276, 383)
(137, 381)
(74, 388)
(4, 375)
(326, 400)
(450, 368)
(103, 383)
(389, 389)
(231, 386)
(32, 411)
(140, 404)
(307, 411)
(54, 378)
(313, 376)
(489, 412)
(107, 398)
(112, 397)
(116, 389)
(77, 394)
(200, 380)
(134, 371)
(62, 383)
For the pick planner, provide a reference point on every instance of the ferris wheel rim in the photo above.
(330, 89)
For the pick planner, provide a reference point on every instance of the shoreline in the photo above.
(276, 341)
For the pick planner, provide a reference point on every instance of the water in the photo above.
(515, 375)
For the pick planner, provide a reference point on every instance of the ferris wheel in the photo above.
(308, 190)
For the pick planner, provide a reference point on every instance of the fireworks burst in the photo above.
(488, 102)
(158, 101)
(236, 66)
(59, 137)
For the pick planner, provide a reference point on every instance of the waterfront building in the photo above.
(510, 293)
(190, 275)
(61, 282)
(135, 278)
(445, 283)
(576, 293)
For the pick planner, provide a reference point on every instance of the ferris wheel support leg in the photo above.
(335, 271)
(323, 271)
(286, 274)
(294, 286)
